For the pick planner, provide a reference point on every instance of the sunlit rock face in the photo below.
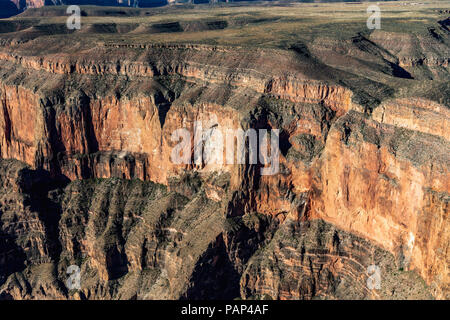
(88, 178)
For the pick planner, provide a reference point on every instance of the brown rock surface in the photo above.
(364, 169)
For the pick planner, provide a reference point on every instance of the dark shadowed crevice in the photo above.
(399, 72)
(214, 276)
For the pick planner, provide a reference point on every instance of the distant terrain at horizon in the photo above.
(9, 8)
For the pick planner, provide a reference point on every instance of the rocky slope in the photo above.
(364, 159)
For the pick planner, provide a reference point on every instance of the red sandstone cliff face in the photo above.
(381, 176)
(132, 125)
(35, 3)
(392, 193)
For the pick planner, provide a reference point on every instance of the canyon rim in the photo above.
(93, 205)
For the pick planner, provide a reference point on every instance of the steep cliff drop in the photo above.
(87, 177)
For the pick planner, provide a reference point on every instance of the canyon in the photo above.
(86, 120)
(13, 7)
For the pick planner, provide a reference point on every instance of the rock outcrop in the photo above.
(363, 179)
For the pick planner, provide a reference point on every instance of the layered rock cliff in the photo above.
(363, 174)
